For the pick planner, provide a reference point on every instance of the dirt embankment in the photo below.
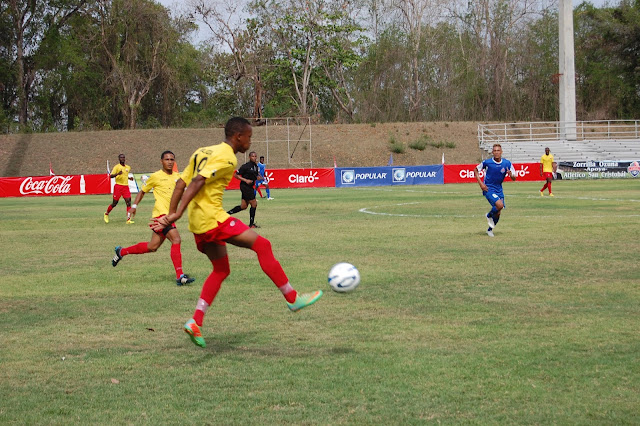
(351, 145)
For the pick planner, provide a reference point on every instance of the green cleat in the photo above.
(193, 330)
(303, 300)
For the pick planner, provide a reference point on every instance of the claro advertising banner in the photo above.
(295, 178)
(466, 173)
(54, 185)
(389, 176)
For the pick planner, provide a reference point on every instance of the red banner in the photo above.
(465, 173)
(39, 186)
(295, 178)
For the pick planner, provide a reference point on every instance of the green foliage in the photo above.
(489, 62)
(421, 143)
(395, 145)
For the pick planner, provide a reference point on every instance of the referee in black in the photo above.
(248, 173)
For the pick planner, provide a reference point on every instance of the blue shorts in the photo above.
(493, 196)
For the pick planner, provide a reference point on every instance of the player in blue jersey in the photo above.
(264, 180)
(497, 168)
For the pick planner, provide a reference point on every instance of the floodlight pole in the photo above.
(567, 81)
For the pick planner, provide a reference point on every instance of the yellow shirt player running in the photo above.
(121, 189)
(546, 170)
(209, 171)
(163, 182)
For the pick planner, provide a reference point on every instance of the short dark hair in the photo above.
(167, 152)
(262, 156)
(235, 125)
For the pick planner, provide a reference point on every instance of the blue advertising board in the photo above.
(388, 176)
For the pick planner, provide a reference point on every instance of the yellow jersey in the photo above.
(216, 164)
(547, 163)
(163, 185)
(122, 179)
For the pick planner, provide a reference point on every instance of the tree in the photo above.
(33, 21)
(135, 36)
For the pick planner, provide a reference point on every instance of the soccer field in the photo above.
(537, 325)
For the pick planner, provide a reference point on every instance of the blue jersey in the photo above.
(262, 171)
(495, 173)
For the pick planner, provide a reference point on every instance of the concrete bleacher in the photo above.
(608, 150)
(619, 144)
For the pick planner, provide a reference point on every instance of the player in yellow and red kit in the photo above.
(121, 188)
(163, 182)
(546, 170)
(209, 172)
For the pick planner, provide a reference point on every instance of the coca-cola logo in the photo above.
(52, 185)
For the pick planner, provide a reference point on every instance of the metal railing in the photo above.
(488, 134)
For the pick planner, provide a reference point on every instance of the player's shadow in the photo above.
(246, 343)
(18, 156)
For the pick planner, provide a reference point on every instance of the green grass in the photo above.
(538, 325)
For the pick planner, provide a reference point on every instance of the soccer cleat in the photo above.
(254, 225)
(106, 218)
(551, 194)
(117, 257)
(130, 222)
(490, 221)
(490, 232)
(270, 198)
(304, 300)
(193, 330)
(184, 279)
(541, 194)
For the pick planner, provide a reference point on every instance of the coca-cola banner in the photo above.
(465, 173)
(295, 178)
(54, 185)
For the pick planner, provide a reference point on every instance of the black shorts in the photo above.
(248, 192)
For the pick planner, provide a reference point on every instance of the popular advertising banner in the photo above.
(598, 170)
(466, 173)
(295, 178)
(54, 185)
(389, 176)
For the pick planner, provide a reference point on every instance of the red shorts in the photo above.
(163, 232)
(218, 235)
(121, 191)
(547, 175)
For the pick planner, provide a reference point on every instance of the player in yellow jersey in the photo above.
(546, 170)
(121, 188)
(163, 183)
(208, 173)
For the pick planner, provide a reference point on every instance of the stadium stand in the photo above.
(595, 140)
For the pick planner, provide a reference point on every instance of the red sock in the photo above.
(259, 192)
(140, 248)
(544, 187)
(272, 268)
(176, 258)
(109, 209)
(211, 286)
(549, 184)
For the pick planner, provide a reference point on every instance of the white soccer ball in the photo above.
(344, 277)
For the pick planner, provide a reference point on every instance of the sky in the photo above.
(175, 5)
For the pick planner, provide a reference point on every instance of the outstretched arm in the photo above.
(134, 206)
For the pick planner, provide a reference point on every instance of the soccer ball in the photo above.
(344, 277)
